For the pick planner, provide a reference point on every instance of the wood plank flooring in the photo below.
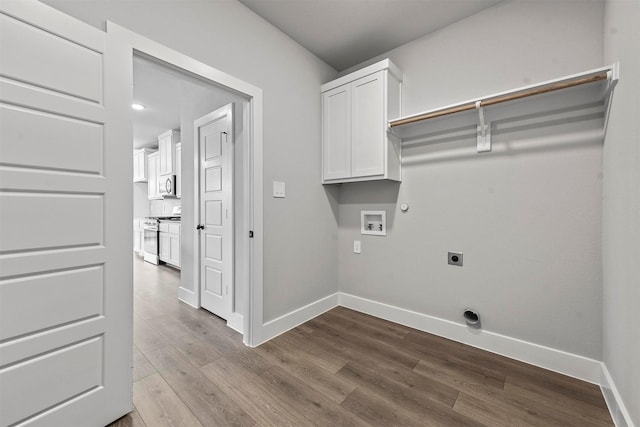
(343, 368)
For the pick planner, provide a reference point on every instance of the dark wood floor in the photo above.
(342, 368)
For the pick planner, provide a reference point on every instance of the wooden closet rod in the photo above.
(501, 98)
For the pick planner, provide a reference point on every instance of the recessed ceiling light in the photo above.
(137, 106)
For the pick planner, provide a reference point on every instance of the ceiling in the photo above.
(158, 89)
(344, 33)
(165, 92)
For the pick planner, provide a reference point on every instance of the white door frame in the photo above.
(253, 118)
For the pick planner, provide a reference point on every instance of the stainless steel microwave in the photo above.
(167, 185)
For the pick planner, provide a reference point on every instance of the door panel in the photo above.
(213, 248)
(213, 178)
(213, 212)
(212, 147)
(65, 241)
(214, 281)
(216, 210)
(37, 139)
(53, 220)
(58, 298)
(70, 68)
(69, 372)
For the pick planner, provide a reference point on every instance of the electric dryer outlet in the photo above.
(455, 258)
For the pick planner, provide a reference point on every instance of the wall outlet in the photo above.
(357, 246)
(455, 258)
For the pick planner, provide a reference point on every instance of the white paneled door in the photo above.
(215, 142)
(65, 222)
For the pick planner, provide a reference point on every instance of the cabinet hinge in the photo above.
(251, 234)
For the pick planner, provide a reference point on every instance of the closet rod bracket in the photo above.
(483, 133)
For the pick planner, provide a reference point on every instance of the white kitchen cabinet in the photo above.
(169, 241)
(355, 111)
(153, 167)
(140, 169)
(167, 147)
(179, 170)
(165, 246)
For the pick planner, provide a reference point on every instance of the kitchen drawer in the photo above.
(174, 227)
(164, 227)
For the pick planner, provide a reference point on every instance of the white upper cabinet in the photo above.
(167, 147)
(140, 173)
(355, 110)
(153, 167)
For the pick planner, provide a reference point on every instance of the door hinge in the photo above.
(251, 234)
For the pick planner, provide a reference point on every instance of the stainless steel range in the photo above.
(151, 248)
(150, 245)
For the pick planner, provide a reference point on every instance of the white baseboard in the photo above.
(556, 360)
(236, 322)
(188, 297)
(573, 365)
(614, 401)
(282, 324)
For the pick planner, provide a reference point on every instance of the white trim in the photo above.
(618, 411)
(236, 322)
(188, 297)
(253, 314)
(254, 321)
(555, 360)
(385, 64)
(282, 324)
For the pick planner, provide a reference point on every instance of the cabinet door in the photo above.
(166, 146)
(153, 168)
(336, 133)
(174, 242)
(165, 246)
(178, 170)
(368, 126)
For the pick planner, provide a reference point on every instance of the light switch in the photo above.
(278, 189)
(357, 246)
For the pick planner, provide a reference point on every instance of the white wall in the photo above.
(621, 221)
(527, 216)
(229, 37)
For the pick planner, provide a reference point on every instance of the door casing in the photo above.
(252, 323)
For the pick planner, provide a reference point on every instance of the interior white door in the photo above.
(214, 137)
(65, 222)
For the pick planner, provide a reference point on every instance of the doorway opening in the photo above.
(175, 91)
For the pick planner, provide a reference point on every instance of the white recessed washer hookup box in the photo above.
(373, 222)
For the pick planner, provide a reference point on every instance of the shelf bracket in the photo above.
(483, 133)
(613, 76)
